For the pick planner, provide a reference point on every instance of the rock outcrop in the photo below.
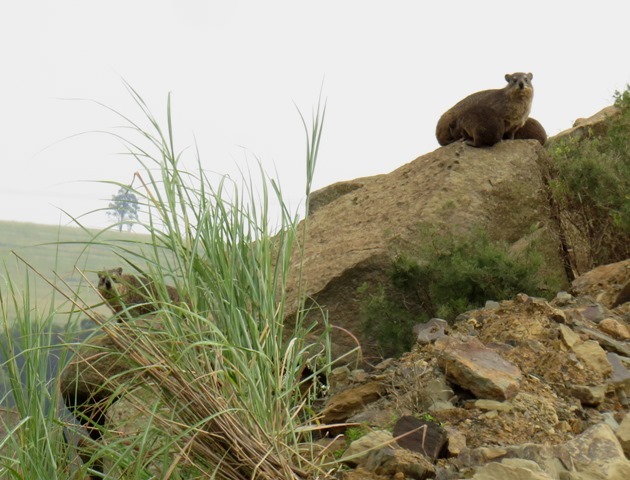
(595, 125)
(358, 227)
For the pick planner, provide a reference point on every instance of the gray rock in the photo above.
(563, 298)
(594, 313)
(436, 392)
(609, 419)
(430, 331)
(357, 451)
(491, 304)
(620, 377)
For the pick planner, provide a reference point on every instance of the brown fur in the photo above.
(136, 294)
(479, 127)
(511, 104)
(532, 130)
(88, 384)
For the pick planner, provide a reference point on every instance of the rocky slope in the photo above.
(357, 227)
(521, 389)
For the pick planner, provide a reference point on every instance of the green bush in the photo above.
(591, 185)
(448, 275)
(388, 319)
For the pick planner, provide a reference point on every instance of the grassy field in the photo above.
(61, 255)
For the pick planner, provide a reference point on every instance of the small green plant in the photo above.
(427, 417)
(353, 433)
(447, 275)
(590, 181)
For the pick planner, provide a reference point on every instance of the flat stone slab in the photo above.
(475, 367)
(606, 341)
(343, 405)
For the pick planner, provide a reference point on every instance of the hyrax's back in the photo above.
(511, 104)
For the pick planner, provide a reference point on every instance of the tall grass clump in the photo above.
(32, 423)
(590, 181)
(224, 387)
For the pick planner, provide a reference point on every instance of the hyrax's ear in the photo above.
(118, 271)
(530, 76)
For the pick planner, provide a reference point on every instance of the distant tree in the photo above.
(124, 208)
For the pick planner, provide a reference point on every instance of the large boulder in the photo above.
(605, 284)
(359, 226)
(594, 126)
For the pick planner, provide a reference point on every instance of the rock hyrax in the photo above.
(479, 127)
(511, 105)
(135, 293)
(532, 130)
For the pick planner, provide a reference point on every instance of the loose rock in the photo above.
(597, 454)
(477, 368)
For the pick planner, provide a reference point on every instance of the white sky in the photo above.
(236, 68)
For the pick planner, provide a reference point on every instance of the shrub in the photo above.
(590, 184)
(447, 275)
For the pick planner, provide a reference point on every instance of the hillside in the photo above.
(58, 253)
(488, 347)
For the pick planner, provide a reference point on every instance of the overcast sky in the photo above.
(237, 69)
